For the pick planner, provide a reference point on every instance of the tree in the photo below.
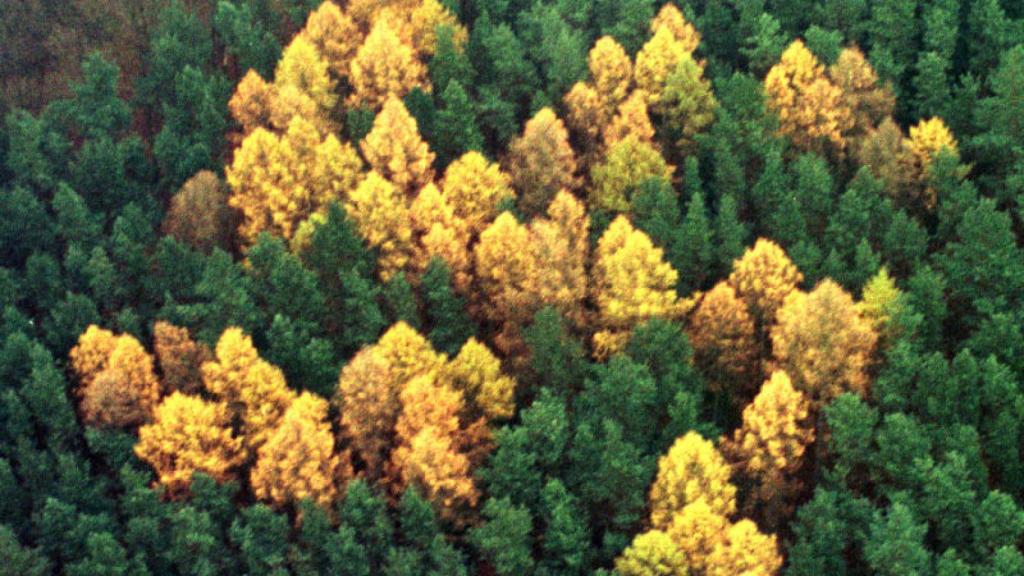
(611, 72)
(541, 162)
(476, 372)
(691, 471)
(724, 349)
(395, 149)
(885, 153)
(811, 109)
(475, 188)
(117, 385)
(655, 61)
(455, 131)
(446, 311)
(631, 119)
(384, 67)
(868, 102)
(687, 103)
(367, 396)
(189, 435)
(261, 535)
(380, 212)
(252, 103)
(770, 445)
(631, 283)
(504, 273)
(763, 277)
(927, 139)
(746, 551)
(671, 18)
(334, 35)
(896, 543)
(694, 263)
(652, 553)
(253, 389)
(303, 69)
(277, 182)
(628, 163)
(440, 234)
(199, 215)
(824, 343)
(298, 460)
(180, 358)
(20, 559)
(505, 538)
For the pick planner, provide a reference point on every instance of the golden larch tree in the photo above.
(631, 283)
(927, 138)
(180, 358)
(747, 551)
(395, 149)
(611, 72)
(92, 353)
(380, 212)
(505, 272)
(883, 152)
(475, 188)
(655, 61)
(725, 350)
(628, 163)
(476, 372)
(199, 215)
(416, 24)
(560, 245)
(762, 278)
(587, 117)
(439, 232)
(631, 119)
(671, 18)
(881, 304)
(298, 459)
(384, 67)
(698, 531)
(367, 398)
(117, 384)
(253, 389)
(252, 102)
(811, 108)
(188, 435)
(335, 36)
(279, 181)
(868, 102)
(408, 353)
(302, 67)
(823, 343)
(541, 162)
(687, 104)
(652, 553)
(692, 470)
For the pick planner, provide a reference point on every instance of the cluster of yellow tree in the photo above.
(844, 109)
(821, 344)
(408, 415)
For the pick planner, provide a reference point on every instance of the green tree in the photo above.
(504, 539)
(450, 325)
(262, 537)
(895, 544)
(455, 130)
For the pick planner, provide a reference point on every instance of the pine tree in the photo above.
(687, 103)
(446, 311)
(694, 265)
(455, 129)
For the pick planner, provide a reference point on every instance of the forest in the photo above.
(512, 287)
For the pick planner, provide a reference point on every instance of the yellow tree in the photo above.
(687, 103)
(505, 272)
(881, 303)
(198, 214)
(768, 448)
(631, 119)
(692, 470)
(395, 149)
(298, 459)
(180, 358)
(927, 139)
(379, 210)
(367, 396)
(698, 530)
(762, 278)
(656, 60)
(823, 343)
(428, 455)
(541, 162)
(869, 104)
(588, 118)
(252, 102)
(629, 162)
(476, 372)
(335, 36)
(883, 152)
(384, 67)
(302, 67)
(117, 384)
(611, 72)
(408, 353)
(724, 348)
(475, 188)
(416, 24)
(439, 232)
(278, 182)
(747, 551)
(189, 435)
(652, 553)
(560, 245)
(811, 109)
(671, 18)
(253, 389)
(631, 283)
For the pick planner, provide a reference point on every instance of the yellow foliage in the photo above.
(747, 552)
(762, 278)
(671, 18)
(869, 103)
(189, 435)
(880, 303)
(811, 109)
(277, 182)
(586, 114)
(656, 60)
(631, 283)
(426, 401)
(476, 371)
(475, 188)
(698, 531)
(416, 25)
(383, 68)
(652, 553)
(631, 119)
(505, 269)
(367, 396)
(560, 245)
(408, 353)
(629, 162)
(380, 213)
(431, 462)
(117, 385)
(181, 359)
(541, 162)
(440, 233)
(395, 149)
(90, 356)
(252, 101)
(721, 332)
(611, 72)
(883, 151)
(298, 459)
(823, 343)
(692, 470)
(335, 36)
(927, 138)
(253, 389)
(302, 67)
